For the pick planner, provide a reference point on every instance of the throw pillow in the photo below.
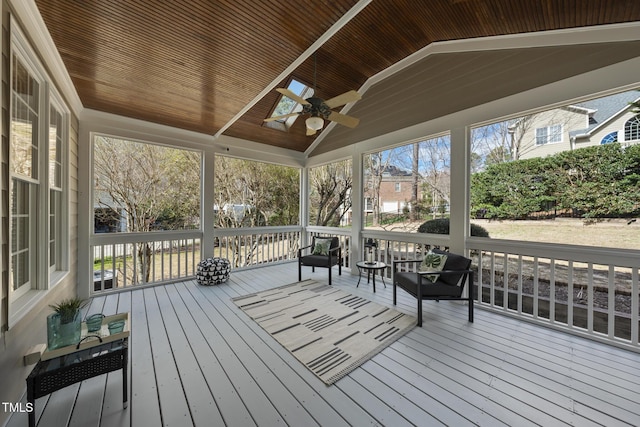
(432, 262)
(322, 247)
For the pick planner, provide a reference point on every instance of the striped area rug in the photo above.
(329, 330)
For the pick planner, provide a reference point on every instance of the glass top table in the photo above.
(62, 371)
(371, 268)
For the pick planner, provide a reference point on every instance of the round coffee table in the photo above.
(371, 268)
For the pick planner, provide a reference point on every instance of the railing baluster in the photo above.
(520, 288)
(635, 296)
(590, 298)
(536, 290)
(611, 303)
(505, 282)
(552, 290)
(570, 295)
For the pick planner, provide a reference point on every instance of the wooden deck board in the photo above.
(195, 359)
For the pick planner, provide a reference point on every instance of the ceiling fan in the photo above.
(318, 109)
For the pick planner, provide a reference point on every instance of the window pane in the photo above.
(330, 194)
(520, 190)
(24, 122)
(555, 133)
(254, 194)
(55, 145)
(407, 185)
(141, 187)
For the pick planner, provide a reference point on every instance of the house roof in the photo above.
(212, 67)
(605, 109)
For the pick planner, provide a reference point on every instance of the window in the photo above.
(57, 191)
(25, 116)
(549, 134)
(141, 187)
(287, 106)
(424, 169)
(609, 138)
(38, 197)
(330, 194)
(255, 194)
(632, 129)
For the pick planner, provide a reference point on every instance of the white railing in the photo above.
(592, 292)
(122, 260)
(583, 290)
(248, 247)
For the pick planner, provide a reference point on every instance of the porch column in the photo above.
(459, 220)
(207, 189)
(357, 222)
(304, 206)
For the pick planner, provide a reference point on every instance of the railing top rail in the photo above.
(246, 231)
(329, 230)
(576, 253)
(432, 239)
(151, 236)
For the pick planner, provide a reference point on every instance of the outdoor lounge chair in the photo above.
(448, 286)
(325, 252)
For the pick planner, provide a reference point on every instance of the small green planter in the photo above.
(63, 334)
(64, 326)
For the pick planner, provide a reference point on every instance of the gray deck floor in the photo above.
(195, 359)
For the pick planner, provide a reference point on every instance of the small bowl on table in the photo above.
(94, 322)
(116, 327)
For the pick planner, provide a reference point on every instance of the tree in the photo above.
(330, 188)
(141, 183)
(375, 165)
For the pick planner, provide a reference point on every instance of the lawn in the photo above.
(613, 233)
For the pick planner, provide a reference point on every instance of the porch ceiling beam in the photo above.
(294, 65)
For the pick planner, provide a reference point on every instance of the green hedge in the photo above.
(598, 182)
(441, 226)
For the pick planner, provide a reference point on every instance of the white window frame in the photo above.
(41, 277)
(632, 128)
(61, 266)
(553, 134)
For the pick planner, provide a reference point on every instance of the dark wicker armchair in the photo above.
(317, 258)
(448, 286)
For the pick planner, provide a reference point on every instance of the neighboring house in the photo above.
(599, 121)
(395, 191)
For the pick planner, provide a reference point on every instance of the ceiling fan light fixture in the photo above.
(315, 123)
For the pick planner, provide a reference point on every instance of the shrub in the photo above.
(441, 226)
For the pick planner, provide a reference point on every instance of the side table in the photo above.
(371, 269)
(59, 372)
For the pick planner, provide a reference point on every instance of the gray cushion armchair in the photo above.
(449, 285)
(322, 252)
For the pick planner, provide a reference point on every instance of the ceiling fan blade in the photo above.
(271, 119)
(345, 98)
(310, 131)
(289, 94)
(343, 119)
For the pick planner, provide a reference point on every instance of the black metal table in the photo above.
(371, 269)
(62, 371)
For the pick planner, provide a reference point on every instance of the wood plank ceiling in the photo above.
(196, 64)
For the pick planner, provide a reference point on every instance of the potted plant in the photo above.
(64, 325)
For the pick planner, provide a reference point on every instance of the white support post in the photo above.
(207, 245)
(357, 221)
(304, 205)
(459, 219)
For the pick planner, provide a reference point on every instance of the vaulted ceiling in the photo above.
(211, 66)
